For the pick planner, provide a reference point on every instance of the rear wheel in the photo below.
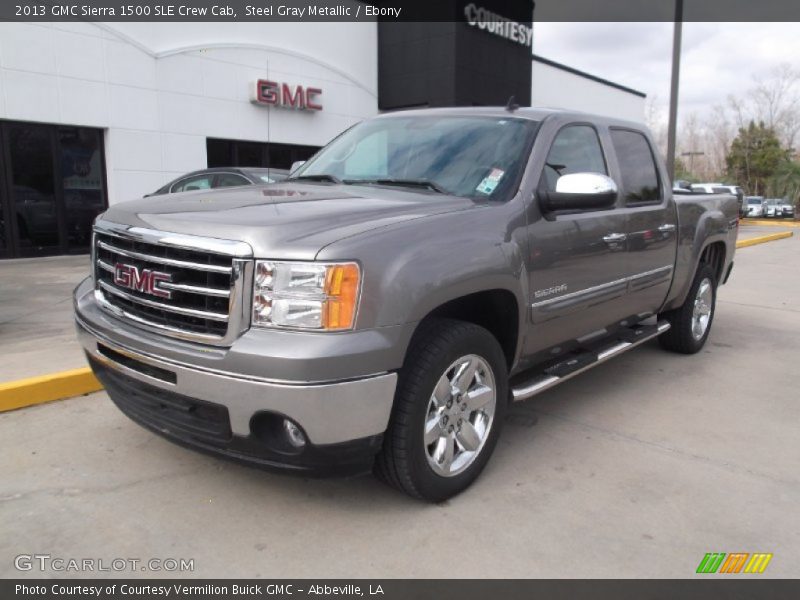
(448, 412)
(691, 322)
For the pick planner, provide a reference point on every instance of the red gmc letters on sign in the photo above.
(273, 93)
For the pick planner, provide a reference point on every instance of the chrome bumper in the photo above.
(329, 413)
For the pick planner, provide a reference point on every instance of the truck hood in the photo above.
(289, 220)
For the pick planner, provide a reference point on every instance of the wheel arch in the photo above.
(497, 310)
(713, 254)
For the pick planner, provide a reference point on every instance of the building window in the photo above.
(238, 153)
(52, 186)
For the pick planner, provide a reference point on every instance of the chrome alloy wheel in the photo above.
(701, 315)
(460, 415)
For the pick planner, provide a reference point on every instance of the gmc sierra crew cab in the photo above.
(381, 308)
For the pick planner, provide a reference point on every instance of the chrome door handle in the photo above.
(666, 228)
(613, 238)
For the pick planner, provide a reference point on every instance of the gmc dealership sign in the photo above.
(273, 93)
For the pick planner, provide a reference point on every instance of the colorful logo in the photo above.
(142, 280)
(736, 562)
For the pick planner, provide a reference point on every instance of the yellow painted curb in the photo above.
(769, 223)
(764, 238)
(46, 388)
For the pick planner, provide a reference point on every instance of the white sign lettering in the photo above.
(479, 17)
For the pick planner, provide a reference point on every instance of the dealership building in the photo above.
(97, 113)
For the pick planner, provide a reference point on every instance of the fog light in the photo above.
(293, 434)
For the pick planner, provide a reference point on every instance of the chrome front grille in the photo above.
(199, 293)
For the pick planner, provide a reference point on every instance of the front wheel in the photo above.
(448, 412)
(691, 322)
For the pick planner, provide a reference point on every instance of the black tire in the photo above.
(403, 461)
(680, 336)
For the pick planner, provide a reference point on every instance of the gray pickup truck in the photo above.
(380, 309)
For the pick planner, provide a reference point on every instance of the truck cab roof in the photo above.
(531, 113)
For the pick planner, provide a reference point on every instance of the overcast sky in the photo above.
(717, 59)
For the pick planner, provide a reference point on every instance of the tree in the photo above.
(786, 182)
(656, 121)
(681, 172)
(773, 100)
(694, 142)
(755, 156)
(720, 133)
(776, 101)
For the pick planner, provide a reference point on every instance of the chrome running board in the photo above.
(583, 361)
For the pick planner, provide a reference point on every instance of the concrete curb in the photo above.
(46, 388)
(770, 223)
(762, 239)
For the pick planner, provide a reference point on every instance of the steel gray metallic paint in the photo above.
(271, 354)
(318, 407)
(702, 220)
(419, 250)
(290, 221)
(411, 268)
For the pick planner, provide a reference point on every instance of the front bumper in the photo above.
(343, 420)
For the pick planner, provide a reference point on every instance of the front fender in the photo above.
(410, 269)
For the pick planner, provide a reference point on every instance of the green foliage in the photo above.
(681, 172)
(785, 183)
(755, 157)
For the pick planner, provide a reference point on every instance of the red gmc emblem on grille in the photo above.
(142, 280)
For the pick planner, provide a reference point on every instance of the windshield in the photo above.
(464, 156)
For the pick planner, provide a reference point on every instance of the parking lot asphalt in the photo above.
(37, 334)
(634, 469)
(748, 230)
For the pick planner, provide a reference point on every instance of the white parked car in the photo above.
(773, 208)
(787, 207)
(755, 206)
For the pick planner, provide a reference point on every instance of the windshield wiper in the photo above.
(420, 183)
(320, 177)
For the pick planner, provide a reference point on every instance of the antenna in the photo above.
(512, 105)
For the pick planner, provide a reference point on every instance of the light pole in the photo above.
(673, 93)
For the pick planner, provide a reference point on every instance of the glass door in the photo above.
(32, 208)
(52, 186)
(5, 233)
(82, 182)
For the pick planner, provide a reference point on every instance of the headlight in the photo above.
(305, 295)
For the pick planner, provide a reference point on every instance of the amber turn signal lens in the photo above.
(341, 289)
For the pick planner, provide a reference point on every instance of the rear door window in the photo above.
(637, 166)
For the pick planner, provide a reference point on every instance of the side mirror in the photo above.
(582, 191)
(296, 165)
